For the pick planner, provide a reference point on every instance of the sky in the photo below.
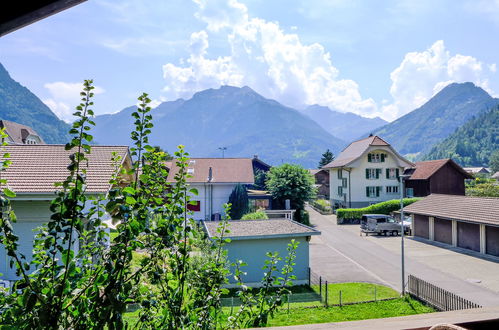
(373, 58)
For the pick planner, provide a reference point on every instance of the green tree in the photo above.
(260, 177)
(291, 182)
(327, 158)
(238, 200)
(494, 162)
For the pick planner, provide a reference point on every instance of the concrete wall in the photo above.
(221, 193)
(253, 253)
(356, 185)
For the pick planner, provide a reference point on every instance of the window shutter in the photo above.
(378, 172)
(369, 158)
(367, 191)
(367, 173)
(397, 173)
(388, 173)
(382, 158)
(377, 191)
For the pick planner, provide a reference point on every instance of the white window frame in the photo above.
(394, 176)
(392, 190)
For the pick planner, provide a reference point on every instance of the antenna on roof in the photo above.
(370, 134)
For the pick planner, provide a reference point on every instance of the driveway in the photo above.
(340, 254)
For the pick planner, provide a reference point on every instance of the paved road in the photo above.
(341, 254)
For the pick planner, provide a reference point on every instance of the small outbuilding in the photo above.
(461, 221)
(252, 239)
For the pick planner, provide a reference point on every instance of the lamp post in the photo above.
(402, 231)
(223, 151)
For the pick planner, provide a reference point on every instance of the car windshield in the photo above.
(390, 219)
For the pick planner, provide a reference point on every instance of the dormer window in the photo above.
(192, 162)
(376, 157)
(190, 171)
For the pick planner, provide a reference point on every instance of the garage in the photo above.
(442, 230)
(467, 222)
(468, 236)
(421, 228)
(492, 240)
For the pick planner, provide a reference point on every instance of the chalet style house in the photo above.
(20, 134)
(214, 179)
(365, 172)
(32, 174)
(441, 176)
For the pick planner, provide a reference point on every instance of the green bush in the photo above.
(322, 204)
(258, 215)
(380, 208)
(302, 216)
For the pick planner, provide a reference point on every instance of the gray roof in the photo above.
(260, 229)
(453, 207)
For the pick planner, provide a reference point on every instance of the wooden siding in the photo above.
(447, 180)
(442, 230)
(421, 228)
(468, 236)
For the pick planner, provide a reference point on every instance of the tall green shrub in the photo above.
(380, 208)
(239, 202)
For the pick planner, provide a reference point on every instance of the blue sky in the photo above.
(374, 58)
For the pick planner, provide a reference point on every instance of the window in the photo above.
(392, 189)
(340, 191)
(194, 206)
(373, 173)
(344, 182)
(340, 174)
(373, 191)
(376, 157)
(409, 192)
(392, 173)
(190, 171)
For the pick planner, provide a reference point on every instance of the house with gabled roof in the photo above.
(365, 172)
(32, 176)
(20, 134)
(441, 176)
(214, 179)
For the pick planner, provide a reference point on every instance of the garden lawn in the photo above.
(381, 309)
(356, 292)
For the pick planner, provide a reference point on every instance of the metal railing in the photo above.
(280, 214)
(437, 297)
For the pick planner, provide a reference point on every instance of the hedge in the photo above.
(380, 208)
(322, 204)
(258, 215)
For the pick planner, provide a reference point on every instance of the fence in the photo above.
(279, 214)
(437, 297)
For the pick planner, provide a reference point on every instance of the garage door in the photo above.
(468, 236)
(442, 231)
(492, 240)
(421, 226)
(24, 230)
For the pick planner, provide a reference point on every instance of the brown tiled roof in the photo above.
(35, 168)
(18, 132)
(224, 170)
(254, 229)
(356, 149)
(424, 170)
(454, 207)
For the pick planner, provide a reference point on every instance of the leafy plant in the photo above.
(258, 215)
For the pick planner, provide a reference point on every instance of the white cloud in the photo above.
(264, 57)
(65, 97)
(423, 74)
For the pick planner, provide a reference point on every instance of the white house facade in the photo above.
(366, 172)
(214, 179)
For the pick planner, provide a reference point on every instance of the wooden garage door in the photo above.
(468, 236)
(442, 231)
(421, 226)
(492, 240)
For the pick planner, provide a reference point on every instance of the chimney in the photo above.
(210, 174)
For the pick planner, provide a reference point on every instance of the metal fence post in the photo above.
(288, 303)
(340, 299)
(320, 286)
(326, 295)
(375, 297)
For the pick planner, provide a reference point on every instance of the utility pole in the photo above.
(402, 229)
(223, 151)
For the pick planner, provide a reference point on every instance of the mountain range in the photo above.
(460, 121)
(19, 104)
(238, 119)
(346, 125)
(415, 133)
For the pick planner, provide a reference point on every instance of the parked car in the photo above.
(381, 224)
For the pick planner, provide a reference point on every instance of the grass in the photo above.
(309, 312)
